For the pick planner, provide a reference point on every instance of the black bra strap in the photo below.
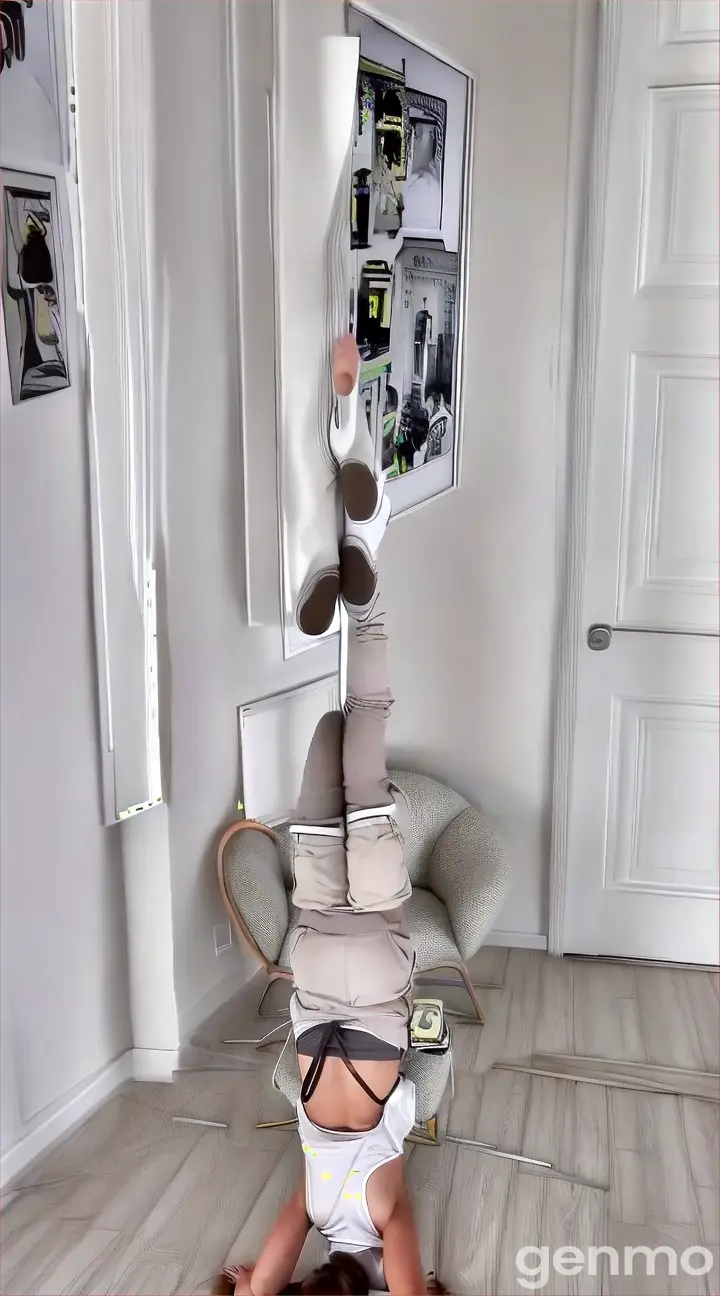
(332, 1033)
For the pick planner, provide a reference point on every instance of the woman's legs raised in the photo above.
(319, 863)
(377, 876)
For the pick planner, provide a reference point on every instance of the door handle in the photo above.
(599, 637)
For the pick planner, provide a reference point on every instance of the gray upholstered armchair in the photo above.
(456, 864)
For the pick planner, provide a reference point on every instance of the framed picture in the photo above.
(33, 286)
(409, 228)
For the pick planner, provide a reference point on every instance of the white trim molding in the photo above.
(517, 940)
(249, 74)
(598, 28)
(115, 167)
(62, 1117)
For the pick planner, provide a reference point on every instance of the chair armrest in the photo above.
(252, 887)
(468, 872)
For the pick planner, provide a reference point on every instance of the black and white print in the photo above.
(32, 287)
(408, 175)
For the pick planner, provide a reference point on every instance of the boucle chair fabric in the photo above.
(456, 864)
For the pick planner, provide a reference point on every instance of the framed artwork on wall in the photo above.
(409, 230)
(33, 287)
(368, 175)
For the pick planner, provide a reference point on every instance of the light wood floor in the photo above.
(134, 1203)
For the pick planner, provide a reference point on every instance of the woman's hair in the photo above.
(341, 1275)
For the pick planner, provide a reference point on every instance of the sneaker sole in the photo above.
(359, 578)
(359, 490)
(315, 616)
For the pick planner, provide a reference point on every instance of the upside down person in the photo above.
(352, 964)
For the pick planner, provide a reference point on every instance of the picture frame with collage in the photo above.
(409, 226)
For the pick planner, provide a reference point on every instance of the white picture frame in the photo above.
(431, 84)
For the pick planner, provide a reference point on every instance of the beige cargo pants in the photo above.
(351, 956)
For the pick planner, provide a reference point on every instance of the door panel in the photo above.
(670, 521)
(687, 21)
(646, 820)
(678, 234)
(644, 807)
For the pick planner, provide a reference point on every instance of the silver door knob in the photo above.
(599, 637)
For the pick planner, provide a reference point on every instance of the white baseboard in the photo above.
(154, 1065)
(59, 1120)
(517, 940)
(56, 1122)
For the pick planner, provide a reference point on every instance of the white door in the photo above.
(643, 834)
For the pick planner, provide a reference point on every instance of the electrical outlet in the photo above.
(222, 935)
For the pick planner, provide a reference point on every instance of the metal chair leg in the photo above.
(272, 977)
(265, 1040)
(463, 982)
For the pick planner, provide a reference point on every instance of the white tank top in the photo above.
(338, 1167)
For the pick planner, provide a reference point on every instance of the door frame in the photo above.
(597, 34)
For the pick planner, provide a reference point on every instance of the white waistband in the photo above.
(317, 830)
(371, 812)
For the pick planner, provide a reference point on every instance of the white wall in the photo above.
(215, 661)
(471, 581)
(63, 922)
(64, 973)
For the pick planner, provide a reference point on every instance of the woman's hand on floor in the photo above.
(240, 1276)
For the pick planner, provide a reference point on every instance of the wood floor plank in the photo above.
(74, 1266)
(641, 1282)
(623, 1075)
(701, 1125)
(465, 1043)
(606, 1014)
(522, 1227)
(655, 1185)
(127, 1201)
(489, 1043)
(591, 1143)
(554, 1031)
(567, 1124)
(430, 1172)
(43, 1257)
(236, 1099)
(706, 1013)
(709, 1210)
(227, 1180)
(279, 1185)
(501, 1117)
(23, 1243)
(121, 1133)
(473, 1224)
(28, 1208)
(549, 1107)
(575, 1216)
(547, 1213)
(487, 968)
(464, 1112)
(669, 1028)
(523, 980)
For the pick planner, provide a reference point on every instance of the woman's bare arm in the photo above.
(277, 1260)
(401, 1251)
